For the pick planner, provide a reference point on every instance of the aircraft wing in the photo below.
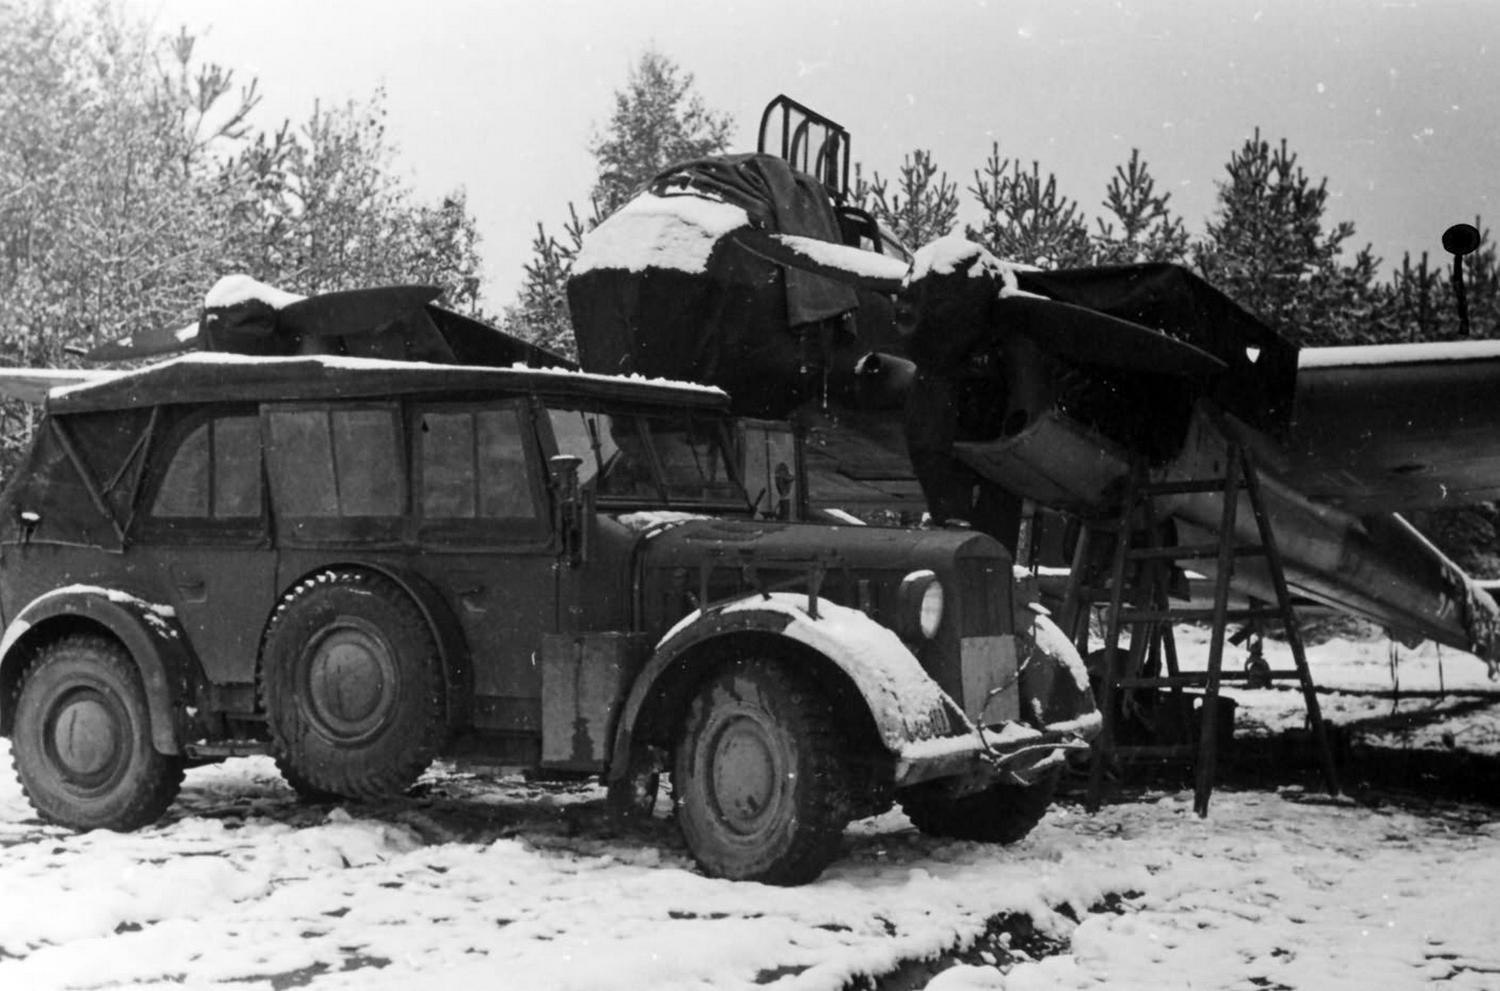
(1393, 427)
(32, 385)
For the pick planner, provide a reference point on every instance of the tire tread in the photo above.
(163, 773)
(825, 811)
(1003, 813)
(352, 778)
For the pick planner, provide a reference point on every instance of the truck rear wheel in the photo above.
(353, 687)
(1002, 813)
(82, 746)
(760, 775)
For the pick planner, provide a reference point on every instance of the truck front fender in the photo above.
(149, 632)
(904, 704)
(1055, 692)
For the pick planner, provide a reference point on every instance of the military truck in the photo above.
(359, 565)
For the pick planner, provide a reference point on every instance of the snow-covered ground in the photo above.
(473, 883)
(1427, 697)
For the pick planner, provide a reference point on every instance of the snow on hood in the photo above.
(673, 232)
(240, 288)
(647, 519)
(841, 257)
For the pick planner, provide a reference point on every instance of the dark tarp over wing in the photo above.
(1173, 300)
(1095, 369)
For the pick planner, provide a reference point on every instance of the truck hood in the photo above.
(681, 540)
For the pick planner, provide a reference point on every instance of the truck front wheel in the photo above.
(760, 775)
(82, 745)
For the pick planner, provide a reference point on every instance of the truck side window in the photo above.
(473, 467)
(660, 459)
(236, 467)
(586, 436)
(214, 473)
(365, 451)
(184, 489)
(336, 463)
(616, 456)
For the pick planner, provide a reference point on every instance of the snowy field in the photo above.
(1426, 697)
(471, 883)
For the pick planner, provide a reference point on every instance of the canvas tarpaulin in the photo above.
(738, 321)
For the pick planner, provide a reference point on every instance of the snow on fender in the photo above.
(907, 705)
(148, 631)
(1054, 682)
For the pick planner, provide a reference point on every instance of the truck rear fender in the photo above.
(149, 632)
(865, 666)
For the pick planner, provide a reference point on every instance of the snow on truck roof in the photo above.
(222, 377)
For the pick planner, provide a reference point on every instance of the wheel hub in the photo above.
(351, 683)
(746, 778)
(85, 735)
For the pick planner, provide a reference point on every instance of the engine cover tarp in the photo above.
(730, 317)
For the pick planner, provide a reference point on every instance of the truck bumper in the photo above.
(1008, 753)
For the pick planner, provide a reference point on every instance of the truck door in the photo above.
(204, 527)
(485, 540)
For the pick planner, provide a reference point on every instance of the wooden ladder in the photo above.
(1137, 594)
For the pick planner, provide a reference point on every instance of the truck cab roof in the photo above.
(218, 377)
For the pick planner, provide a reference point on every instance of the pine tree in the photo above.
(108, 213)
(540, 313)
(1148, 232)
(442, 249)
(1025, 219)
(1419, 303)
(920, 209)
(658, 121)
(318, 208)
(130, 181)
(1268, 248)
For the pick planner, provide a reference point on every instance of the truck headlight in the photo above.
(919, 605)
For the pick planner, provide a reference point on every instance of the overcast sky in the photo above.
(1398, 103)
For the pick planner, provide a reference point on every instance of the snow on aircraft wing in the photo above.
(1392, 427)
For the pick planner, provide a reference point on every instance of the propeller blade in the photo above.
(146, 344)
(1088, 336)
(474, 342)
(351, 312)
(841, 263)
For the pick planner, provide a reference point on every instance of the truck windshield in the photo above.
(660, 459)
